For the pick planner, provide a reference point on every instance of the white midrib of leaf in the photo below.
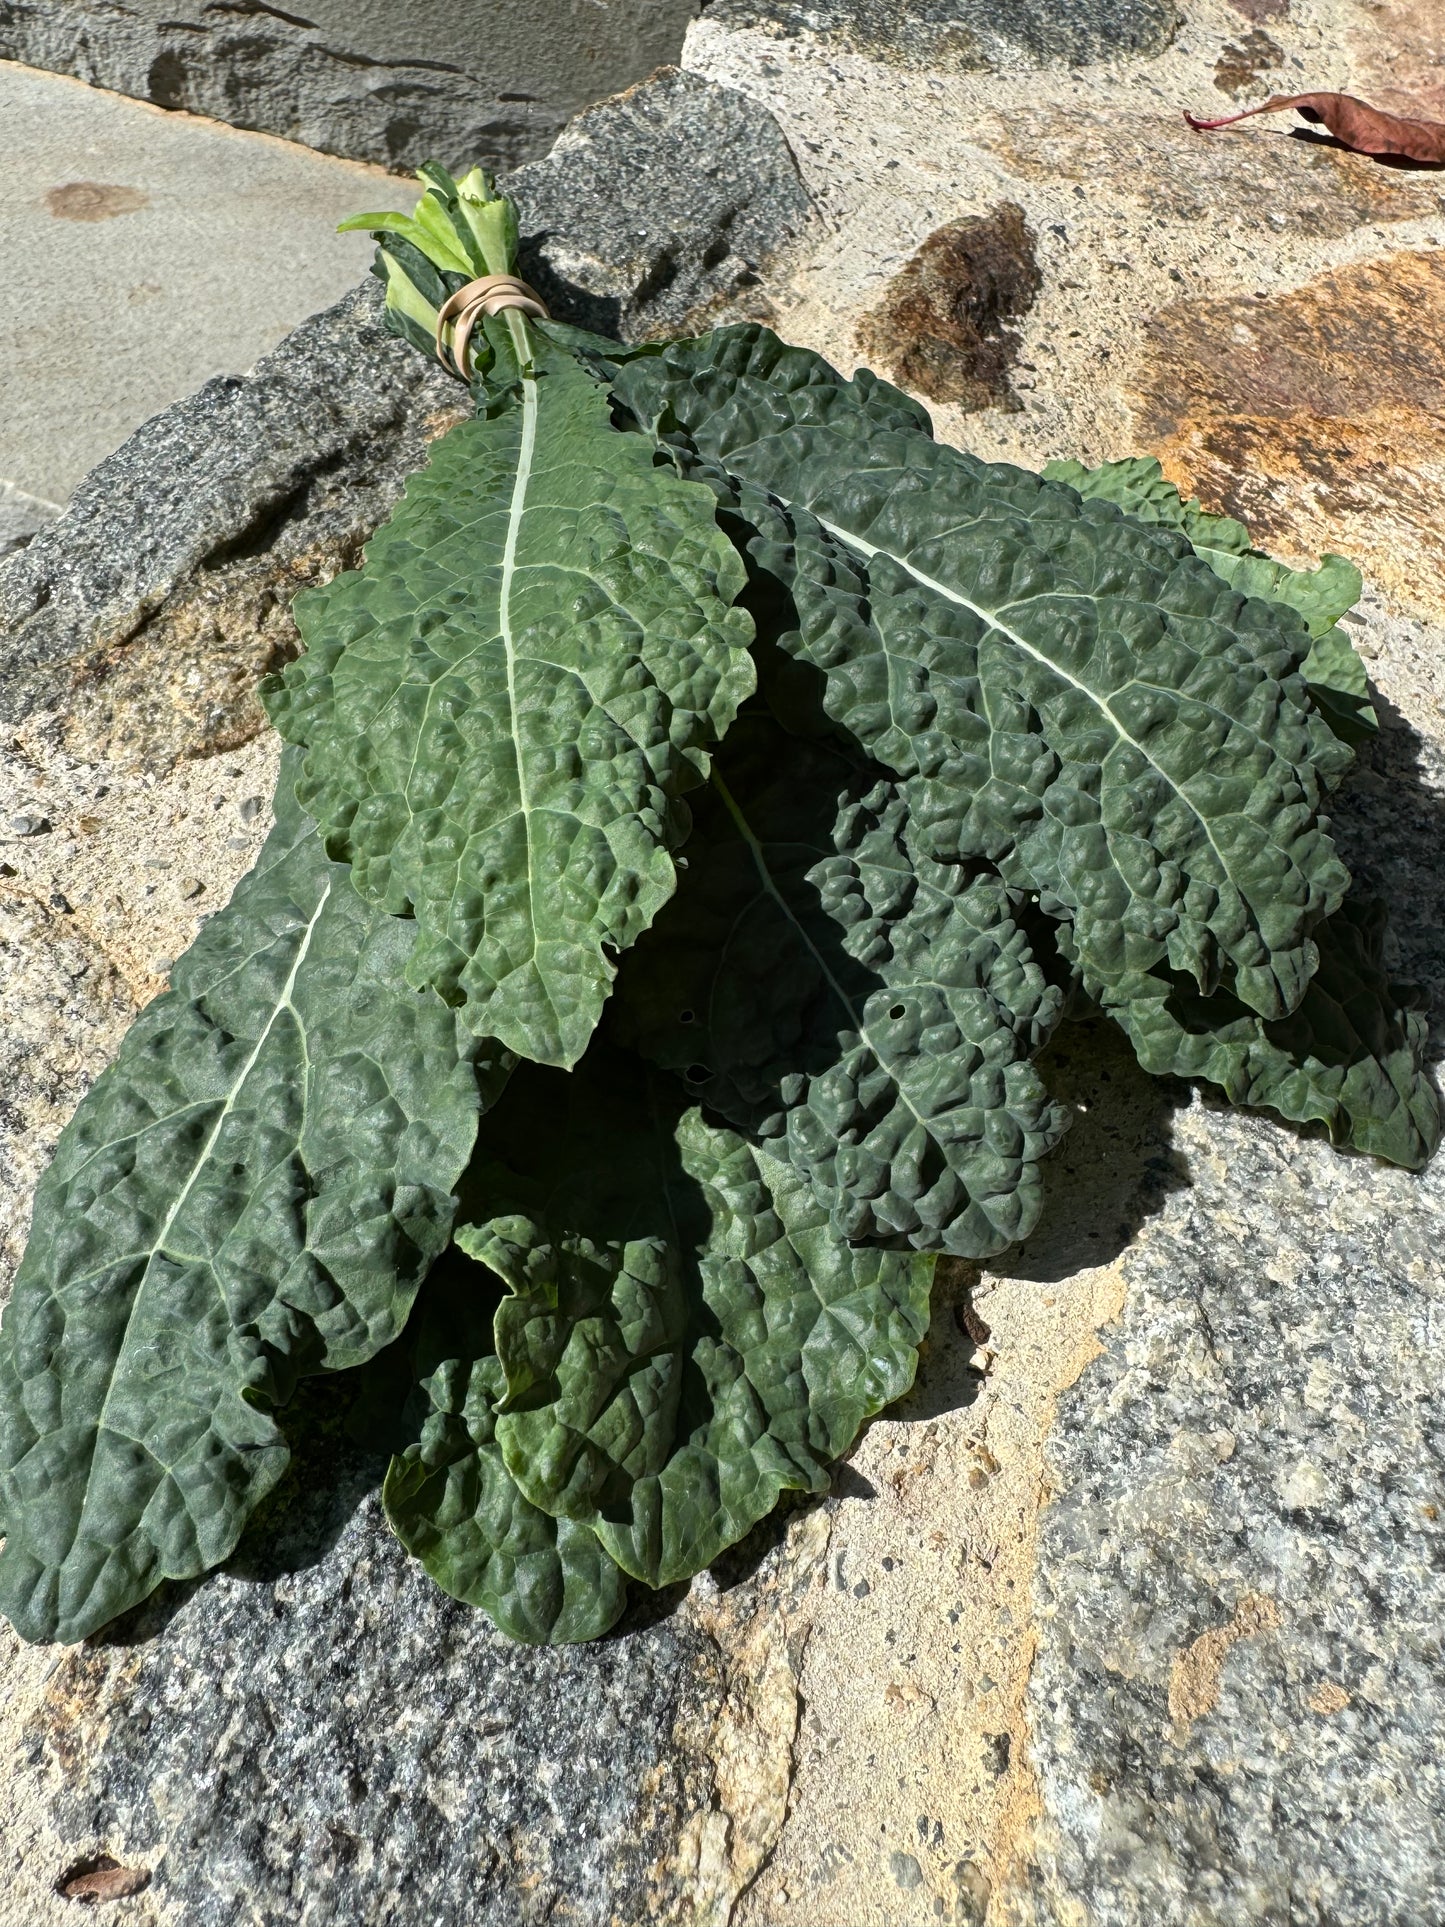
(994, 621)
(516, 510)
(283, 1002)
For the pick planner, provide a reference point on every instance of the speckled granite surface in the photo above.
(321, 1734)
(939, 35)
(1240, 1689)
(1241, 1677)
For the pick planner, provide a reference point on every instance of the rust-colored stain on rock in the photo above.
(94, 201)
(1317, 416)
(939, 328)
(1240, 66)
(1195, 1677)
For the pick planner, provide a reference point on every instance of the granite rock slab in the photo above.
(477, 82)
(139, 621)
(1240, 1685)
(319, 1732)
(22, 516)
(656, 210)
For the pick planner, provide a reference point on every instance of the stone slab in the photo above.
(656, 212)
(325, 1729)
(145, 616)
(1240, 1689)
(478, 81)
(1241, 1681)
(21, 517)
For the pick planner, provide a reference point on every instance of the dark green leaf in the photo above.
(1320, 597)
(1351, 1056)
(1340, 688)
(869, 1011)
(686, 1336)
(253, 1191)
(1082, 700)
(451, 1500)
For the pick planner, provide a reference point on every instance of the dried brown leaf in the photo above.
(1354, 123)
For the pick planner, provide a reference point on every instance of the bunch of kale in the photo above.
(699, 812)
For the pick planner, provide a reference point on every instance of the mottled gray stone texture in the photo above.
(320, 1734)
(959, 35)
(1240, 1689)
(656, 209)
(475, 81)
(147, 612)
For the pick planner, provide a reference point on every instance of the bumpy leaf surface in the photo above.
(451, 1500)
(687, 1336)
(1138, 487)
(870, 1012)
(1081, 699)
(1351, 1056)
(505, 704)
(253, 1191)
(1340, 688)
(1320, 597)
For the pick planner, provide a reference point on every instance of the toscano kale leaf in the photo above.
(253, 1191)
(1074, 698)
(868, 1013)
(701, 809)
(504, 707)
(682, 1335)
(1319, 596)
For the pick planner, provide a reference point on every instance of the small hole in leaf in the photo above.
(898, 1011)
(697, 1073)
(687, 1016)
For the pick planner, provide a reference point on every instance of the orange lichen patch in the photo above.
(1195, 1675)
(1316, 416)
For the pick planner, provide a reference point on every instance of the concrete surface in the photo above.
(452, 80)
(21, 517)
(144, 253)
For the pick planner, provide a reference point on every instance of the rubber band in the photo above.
(492, 294)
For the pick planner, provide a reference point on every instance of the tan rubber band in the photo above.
(490, 295)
